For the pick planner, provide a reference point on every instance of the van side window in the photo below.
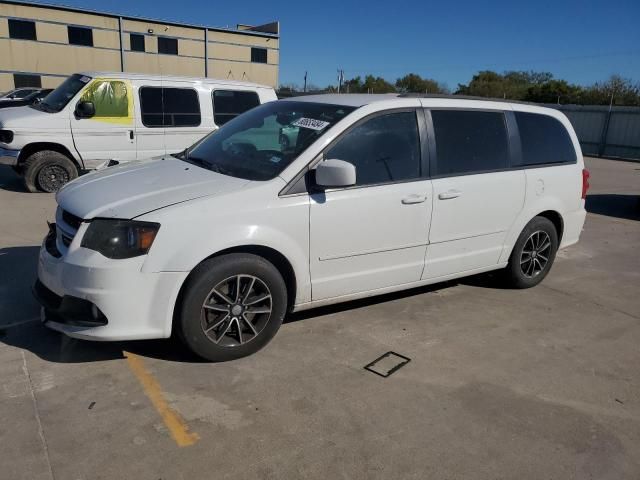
(169, 107)
(544, 139)
(469, 141)
(109, 97)
(383, 149)
(228, 104)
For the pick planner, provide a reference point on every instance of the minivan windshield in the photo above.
(261, 143)
(58, 99)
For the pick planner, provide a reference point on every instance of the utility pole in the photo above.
(305, 82)
(340, 79)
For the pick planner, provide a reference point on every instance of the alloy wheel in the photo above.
(236, 310)
(535, 254)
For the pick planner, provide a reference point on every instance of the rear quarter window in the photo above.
(544, 140)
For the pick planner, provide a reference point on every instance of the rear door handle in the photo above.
(411, 199)
(449, 194)
(130, 134)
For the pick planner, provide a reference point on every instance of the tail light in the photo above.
(585, 182)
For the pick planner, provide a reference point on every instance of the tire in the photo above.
(47, 171)
(234, 330)
(523, 271)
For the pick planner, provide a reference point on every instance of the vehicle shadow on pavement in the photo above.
(614, 205)
(10, 181)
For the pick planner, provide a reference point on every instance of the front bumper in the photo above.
(8, 156)
(132, 305)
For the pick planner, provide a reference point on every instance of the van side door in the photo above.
(109, 133)
(149, 120)
(477, 196)
(185, 121)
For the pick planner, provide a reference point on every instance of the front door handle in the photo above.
(130, 134)
(449, 194)
(411, 199)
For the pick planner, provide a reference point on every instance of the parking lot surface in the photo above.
(539, 383)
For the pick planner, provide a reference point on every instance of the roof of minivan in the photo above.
(361, 99)
(176, 78)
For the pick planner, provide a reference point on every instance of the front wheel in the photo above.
(232, 307)
(47, 171)
(533, 254)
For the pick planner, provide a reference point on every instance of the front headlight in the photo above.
(119, 239)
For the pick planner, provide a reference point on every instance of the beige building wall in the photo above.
(52, 58)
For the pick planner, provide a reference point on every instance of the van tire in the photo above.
(524, 270)
(62, 169)
(258, 278)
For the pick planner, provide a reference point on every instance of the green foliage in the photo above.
(413, 83)
(538, 87)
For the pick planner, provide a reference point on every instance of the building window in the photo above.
(21, 80)
(22, 29)
(258, 55)
(168, 46)
(228, 104)
(137, 42)
(80, 36)
(169, 107)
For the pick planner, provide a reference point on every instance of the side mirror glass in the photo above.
(85, 110)
(335, 173)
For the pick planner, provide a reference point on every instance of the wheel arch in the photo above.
(554, 217)
(32, 148)
(276, 258)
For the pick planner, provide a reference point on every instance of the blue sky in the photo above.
(580, 41)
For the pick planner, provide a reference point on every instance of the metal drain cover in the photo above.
(387, 364)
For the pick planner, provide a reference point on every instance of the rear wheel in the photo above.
(533, 254)
(47, 171)
(233, 306)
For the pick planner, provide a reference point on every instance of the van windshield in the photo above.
(60, 97)
(261, 143)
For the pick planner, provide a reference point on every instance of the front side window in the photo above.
(469, 141)
(22, 29)
(544, 140)
(109, 97)
(228, 104)
(61, 96)
(169, 107)
(250, 146)
(80, 36)
(383, 149)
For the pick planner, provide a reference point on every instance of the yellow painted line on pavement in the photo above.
(172, 419)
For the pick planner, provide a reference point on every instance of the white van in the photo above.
(373, 194)
(94, 118)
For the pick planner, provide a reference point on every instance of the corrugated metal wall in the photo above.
(605, 132)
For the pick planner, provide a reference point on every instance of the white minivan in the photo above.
(94, 119)
(373, 194)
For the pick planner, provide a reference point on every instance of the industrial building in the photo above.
(41, 44)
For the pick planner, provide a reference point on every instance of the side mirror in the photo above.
(85, 110)
(335, 173)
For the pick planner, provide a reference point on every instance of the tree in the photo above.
(414, 83)
(554, 91)
(616, 90)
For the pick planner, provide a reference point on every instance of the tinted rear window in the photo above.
(469, 141)
(228, 104)
(544, 140)
(169, 107)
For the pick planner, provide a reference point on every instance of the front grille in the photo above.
(71, 220)
(50, 242)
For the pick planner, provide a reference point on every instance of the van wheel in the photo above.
(533, 254)
(47, 171)
(232, 307)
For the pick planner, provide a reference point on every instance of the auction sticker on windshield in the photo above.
(311, 123)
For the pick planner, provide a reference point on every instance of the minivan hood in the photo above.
(130, 190)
